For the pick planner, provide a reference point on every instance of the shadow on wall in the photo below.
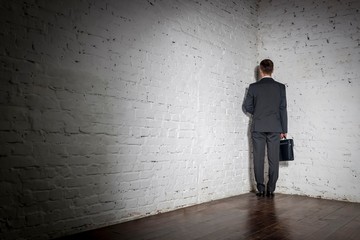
(250, 156)
(71, 99)
(86, 85)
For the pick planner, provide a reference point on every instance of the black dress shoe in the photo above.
(270, 194)
(260, 194)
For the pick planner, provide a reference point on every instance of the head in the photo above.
(266, 67)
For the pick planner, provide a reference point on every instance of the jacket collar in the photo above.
(266, 79)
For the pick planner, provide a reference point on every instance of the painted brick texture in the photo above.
(114, 110)
(316, 45)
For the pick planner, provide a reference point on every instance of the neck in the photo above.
(266, 76)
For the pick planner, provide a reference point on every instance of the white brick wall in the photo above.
(316, 48)
(114, 110)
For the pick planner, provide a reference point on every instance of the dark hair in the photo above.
(267, 66)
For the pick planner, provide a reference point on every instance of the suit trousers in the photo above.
(272, 142)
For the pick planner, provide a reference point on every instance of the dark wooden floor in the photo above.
(244, 217)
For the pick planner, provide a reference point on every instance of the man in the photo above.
(266, 101)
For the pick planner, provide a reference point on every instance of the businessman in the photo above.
(266, 101)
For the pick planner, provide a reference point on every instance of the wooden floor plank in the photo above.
(349, 231)
(337, 221)
(284, 217)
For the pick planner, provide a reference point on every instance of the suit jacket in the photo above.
(266, 101)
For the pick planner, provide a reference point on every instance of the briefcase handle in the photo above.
(285, 138)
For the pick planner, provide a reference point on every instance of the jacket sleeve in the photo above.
(248, 105)
(283, 109)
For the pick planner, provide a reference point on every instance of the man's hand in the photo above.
(282, 135)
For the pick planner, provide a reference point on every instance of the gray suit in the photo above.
(266, 101)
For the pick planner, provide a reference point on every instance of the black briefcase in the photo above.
(286, 150)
